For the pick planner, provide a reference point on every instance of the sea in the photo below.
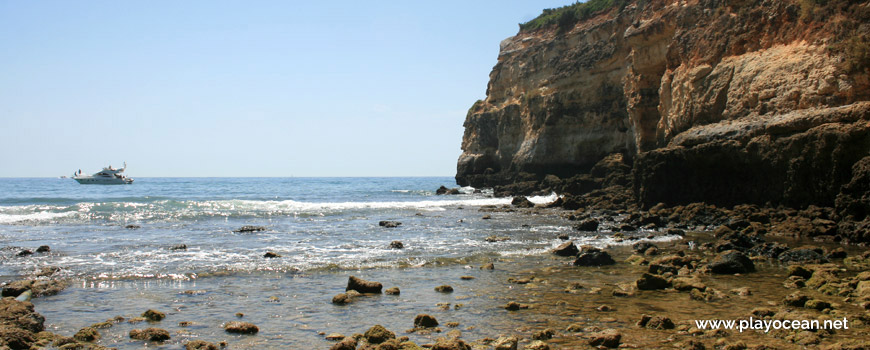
(119, 247)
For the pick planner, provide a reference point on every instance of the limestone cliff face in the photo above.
(705, 97)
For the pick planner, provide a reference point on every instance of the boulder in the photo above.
(642, 247)
(43, 249)
(179, 247)
(732, 262)
(505, 343)
(152, 334)
(20, 314)
(537, 345)
(655, 322)
(652, 282)
(397, 245)
(587, 225)
(341, 299)
(514, 306)
(132, 227)
(802, 256)
(153, 315)
(593, 257)
(392, 291)
(687, 283)
(348, 343)
(425, 321)
(494, 238)
(363, 286)
(378, 334)
(522, 202)
(609, 338)
(566, 249)
(544, 334)
(444, 289)
(87, 334)
(271, 255)
(389, 224)
(450, 344)
(241, 327)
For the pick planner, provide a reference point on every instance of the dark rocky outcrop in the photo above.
(363, 286)
(566, 249)
(732, 262)
(591, 256)
(684, 104)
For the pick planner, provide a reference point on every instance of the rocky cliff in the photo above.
(722, 101)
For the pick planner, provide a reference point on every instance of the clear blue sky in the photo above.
(245, 88)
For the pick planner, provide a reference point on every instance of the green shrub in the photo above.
(566, 17)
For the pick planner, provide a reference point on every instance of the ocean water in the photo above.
(325, 229)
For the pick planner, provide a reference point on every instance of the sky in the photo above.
(245, 88)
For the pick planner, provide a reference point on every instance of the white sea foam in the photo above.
(33, 217)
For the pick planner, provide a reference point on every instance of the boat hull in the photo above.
(98, 181)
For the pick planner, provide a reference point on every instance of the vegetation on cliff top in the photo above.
(567, 16)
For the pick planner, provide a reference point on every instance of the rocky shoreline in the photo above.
(728, 265)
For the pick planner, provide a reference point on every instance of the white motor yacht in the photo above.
(107, 176)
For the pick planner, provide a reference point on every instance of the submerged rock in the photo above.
(200, 345)
(652, 282)
(87, 334)
(249, 228)
(505, 343)
(179, 247)
(397, 245)
(802, 256)
(392, 291)
(43, 249)
(241, 327)
(609, 338)
(444, 289)
(587, 225)
(363, 286)
(270, 255)
(655, 322)
(152, 334)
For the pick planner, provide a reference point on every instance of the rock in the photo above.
(544, 334)
(487, 266)
(270, 255)
(802, 256)
(16, 338)
(87, 334)
(378, 334)
(450, 344)
(20, 315)
(609, 338)
(593, 257)
(494, 238)
(103, 325)
(392, 291)
(566, 249)
(514, 306)
(25, 252)
(249, 228)
(389, 224)
(341, 299)
(425, 321)
(796, 300)
(651, 282)
(334, 336)
(200, 345)
(486, 217)
(241, 327)
(397, 245)
(152, 334)
(48, 271)
(363, 286)
(441, 190)
(132, 227)
(642, 247)
(348, 343)
(466, 278)
(43, 249)
(587, 225)
(179, 247)
(817, 304)
(444, 289)
(742, 291)
(797, 270)
(505, 343)
(656, 322)
(768, 250)
(687, 283)
(836, 254)
(732, 262)
(537, 345)
(153, 315)
(522, 202)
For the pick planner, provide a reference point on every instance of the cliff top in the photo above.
(566, 17)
